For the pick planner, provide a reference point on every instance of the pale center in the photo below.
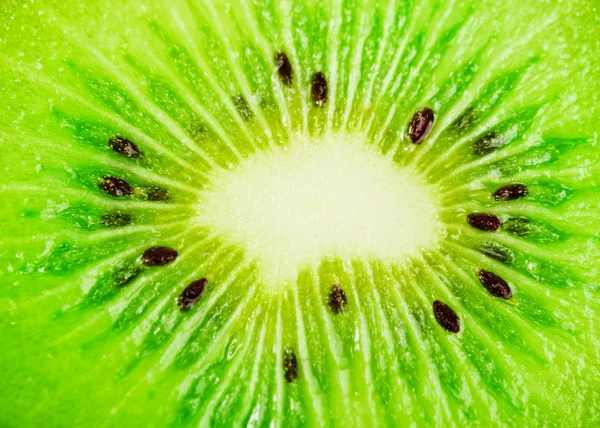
(290, 208)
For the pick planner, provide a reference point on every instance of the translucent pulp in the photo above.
(289, 208)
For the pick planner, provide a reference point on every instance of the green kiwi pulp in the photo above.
(308, 213)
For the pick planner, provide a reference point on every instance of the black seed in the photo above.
(157, 194)
(495, 285)
(284, 68)
(191, 294)
(337, 300)
(126, 275)
(115, 220)
(319, 89)
(511, 192)
(517, 226)
(242, 107)
(488, 143)
(115, 186)
(124, 147)
(420, 125)
(446, 317)
(159, 256)
(486, 222)
(290, 366)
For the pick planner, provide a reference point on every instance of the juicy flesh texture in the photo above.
(91, 335)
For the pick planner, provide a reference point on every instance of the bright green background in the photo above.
(76, 350)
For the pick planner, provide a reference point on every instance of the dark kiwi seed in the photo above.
(420, 125)
(511, 192)
(115, 186)
(488, 143)
(159, 256)
(319, 89)
(284, 68)
(126, 275)
(337, 299)
(157, 194)
(446, 317)
(242, 107)
(290, 366)
(517, 226)
(115, 220)
(495, 285)
(124, 147)
(191, 294)
(486, 222)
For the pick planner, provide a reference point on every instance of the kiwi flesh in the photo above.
(309, 213)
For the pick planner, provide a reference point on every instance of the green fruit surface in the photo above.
(89, 336)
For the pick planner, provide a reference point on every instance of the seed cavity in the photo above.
(124, 147)
(511, 192)
(537, 232)
(191, 294)
(115, 220)
(319, 89)
(284, 68)
(156, 194)
(126, 276)
(485, 222)
(495, 285)
(114, 186)
(420, 125)
(197, 130)
(465, 119)
(498, 252)
(159, 256)
(337, 299)
(446, 317)
(488, 143)
(290, 365)
(242, 107)
(518, 226)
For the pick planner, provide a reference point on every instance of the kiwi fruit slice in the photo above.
(308, 213)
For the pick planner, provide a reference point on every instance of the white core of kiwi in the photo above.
(291, 207)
